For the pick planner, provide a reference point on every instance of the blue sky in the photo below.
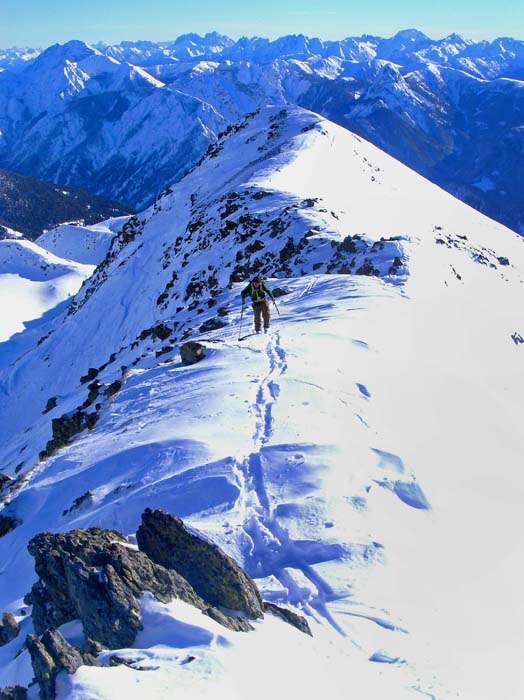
(44, 22)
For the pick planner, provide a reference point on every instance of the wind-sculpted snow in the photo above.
(362, 461)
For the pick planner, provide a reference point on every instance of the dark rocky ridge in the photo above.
(29, 205)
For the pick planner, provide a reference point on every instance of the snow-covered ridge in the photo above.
(338, 458)
(450, 108)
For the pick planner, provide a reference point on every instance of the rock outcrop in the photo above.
(4, 481)
(66, 427)
(93, 575)
(97, 576)
(9, 628)
(49, 656)
(16, 693)
(192, 352)
(7, 523)
(288, 616)
(213, 574)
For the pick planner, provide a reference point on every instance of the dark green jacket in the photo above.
(256, 294)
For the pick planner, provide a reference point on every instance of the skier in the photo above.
(257, 290)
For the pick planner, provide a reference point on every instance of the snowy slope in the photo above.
(37, 278)
(32, 282)
(362, 461)
(84, 244)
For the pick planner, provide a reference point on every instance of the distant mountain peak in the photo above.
(74, 51)
(413, 35)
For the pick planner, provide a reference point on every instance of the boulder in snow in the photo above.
(93, 576)
(192, 352)
(96, 576)
(213, 574)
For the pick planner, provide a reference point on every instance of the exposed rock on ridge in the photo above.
(212, 573)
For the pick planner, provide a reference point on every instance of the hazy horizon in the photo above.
(41, 23)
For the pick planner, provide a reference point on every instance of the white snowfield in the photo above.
(362, 460)
(84, 244)
(37, 278)
(34, 281)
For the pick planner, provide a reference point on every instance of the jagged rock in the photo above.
(90, 651)
(349, 244)
(368, 269)
(49, 656)
(212, 324)
(288, 616)
(66, 427)
(213, 574)
(92, 576)
(113, 388)
(87, 496)
(9, 628)
(160, 331)
(163, 351)
(115, 660)
(91, 374)
(192, 352)
(237, 624)
(51, 403)
(4, 481)
(93, 392)
(17, 692)
(395, 266)
(8, 523)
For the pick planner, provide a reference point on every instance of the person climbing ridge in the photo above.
(257, 290)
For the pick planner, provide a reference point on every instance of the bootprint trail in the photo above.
(269, 549)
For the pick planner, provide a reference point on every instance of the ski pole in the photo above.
(276, 307)
(241, 315)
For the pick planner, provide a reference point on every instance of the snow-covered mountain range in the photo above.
(362, 461)
(124, 121)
